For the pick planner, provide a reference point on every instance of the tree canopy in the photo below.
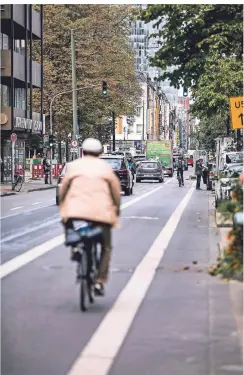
(203, 46)
(189, 34)
(102, 53)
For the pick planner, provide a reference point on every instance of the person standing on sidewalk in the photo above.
(199, 171)
(46, 169)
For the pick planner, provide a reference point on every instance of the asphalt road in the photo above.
(156, 317)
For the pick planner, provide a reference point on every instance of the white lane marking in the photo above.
(29, 230)
(29, 256)
(16, 208)
(98, 355)
(33, 204)
(34, 253)
(133, 201)
(140, 217)
(26, 211)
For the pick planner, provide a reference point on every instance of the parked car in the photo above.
(226, 182)
(121, 168)
(150, 170)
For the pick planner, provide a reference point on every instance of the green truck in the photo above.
(163, 151)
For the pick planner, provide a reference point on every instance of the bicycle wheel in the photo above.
(83, 282)
(18, 184)
(91, 274)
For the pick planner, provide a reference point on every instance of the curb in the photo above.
(236, 297)
(27, 191)
(7, 194)
(40, 189)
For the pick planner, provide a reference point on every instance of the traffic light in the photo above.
(104, 88)
(52, 140)
(185, 91)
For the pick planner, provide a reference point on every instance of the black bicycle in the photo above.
(18, 182)
(179, 178)
(85, 250)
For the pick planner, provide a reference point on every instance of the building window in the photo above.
(19, 98)
(4, 96)
(138, 111)
(19, 47)
(139, 129)
(4, 41)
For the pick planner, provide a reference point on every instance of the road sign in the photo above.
(13, 137)
(236, 110)
(74, 143)
(74, 150)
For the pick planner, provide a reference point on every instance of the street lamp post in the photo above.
(51, 119)
(74, 87)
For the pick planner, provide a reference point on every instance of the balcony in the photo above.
(19, 69)
(19, 21)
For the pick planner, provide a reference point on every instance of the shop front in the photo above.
(22, 127)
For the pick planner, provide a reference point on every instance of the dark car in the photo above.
(150, 170)
(121, 168)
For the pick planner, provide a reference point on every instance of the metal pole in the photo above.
(51, 149)
(74, 87)
(143, 120)
(51, 118)
(113, 130)
(13, 163)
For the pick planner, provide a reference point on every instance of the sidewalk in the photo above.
(28, 187)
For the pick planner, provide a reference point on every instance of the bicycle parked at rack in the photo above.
(87, 256)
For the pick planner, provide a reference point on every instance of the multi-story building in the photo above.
(21, 25)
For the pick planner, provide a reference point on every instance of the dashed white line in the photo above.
(27, 257)
(16, 208)
(33, 204)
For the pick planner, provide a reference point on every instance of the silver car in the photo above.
(150, 170)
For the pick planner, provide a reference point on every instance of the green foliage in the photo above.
(221, 79)
(203, 44)
(102, 53)
(231, 264)
(192, 33)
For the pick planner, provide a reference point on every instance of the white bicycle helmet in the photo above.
(92, 145)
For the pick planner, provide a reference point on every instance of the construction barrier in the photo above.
(38, 171)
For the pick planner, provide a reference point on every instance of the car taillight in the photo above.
(123, 172)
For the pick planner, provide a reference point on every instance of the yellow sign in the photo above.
(236, 110)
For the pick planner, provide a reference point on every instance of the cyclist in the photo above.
(180, 169)
(91, 191)
(132, 167)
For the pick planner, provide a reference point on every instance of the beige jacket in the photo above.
(91, 191)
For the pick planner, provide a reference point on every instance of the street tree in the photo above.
(102, 53)
(189, 34)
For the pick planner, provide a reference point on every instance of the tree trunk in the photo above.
(59, 152)
(67, 149)
(228, 127)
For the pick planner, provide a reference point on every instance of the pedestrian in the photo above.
(180, 169)
(199, 171)
(46, 170)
